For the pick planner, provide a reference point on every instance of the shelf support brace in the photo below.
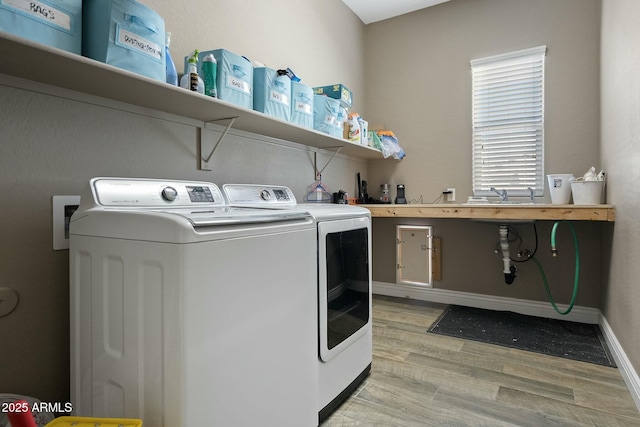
(203, 163)
(319, 172)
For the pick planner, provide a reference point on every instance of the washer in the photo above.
(344, 287)
(188, 312)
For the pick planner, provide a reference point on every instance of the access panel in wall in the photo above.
(413, 254)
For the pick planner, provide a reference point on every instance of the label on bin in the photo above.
(557, 183)
(303, 107)
(136, 43)
(238, 84)
(279, 97)
(40, 11)
(330, 120)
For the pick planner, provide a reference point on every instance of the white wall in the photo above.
(53, 146)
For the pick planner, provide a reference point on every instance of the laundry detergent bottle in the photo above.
(191, 80)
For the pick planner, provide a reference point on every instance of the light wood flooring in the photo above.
(421, 379)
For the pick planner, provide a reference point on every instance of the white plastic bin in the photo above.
(587, 192)
(560, 188)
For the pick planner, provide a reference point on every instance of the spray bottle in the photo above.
(191, 80)
(209, 72)
(172, 73)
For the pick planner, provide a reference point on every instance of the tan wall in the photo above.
(51, 146)
(322, 41)
(419, 85)
(620, 153)
(470, 264)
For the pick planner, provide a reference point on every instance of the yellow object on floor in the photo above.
(94, 422)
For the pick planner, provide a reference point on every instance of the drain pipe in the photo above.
(509, 270)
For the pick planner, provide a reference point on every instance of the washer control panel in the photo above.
(124, 192)
(259, 195)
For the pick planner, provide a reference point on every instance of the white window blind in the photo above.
(508, 123)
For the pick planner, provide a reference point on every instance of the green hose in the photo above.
(577, 271)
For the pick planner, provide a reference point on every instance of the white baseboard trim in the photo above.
(489, 302)
(629, 374)
(532, 308)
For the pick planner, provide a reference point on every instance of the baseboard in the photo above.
(489, 302)
(532, 308)
(629, 374)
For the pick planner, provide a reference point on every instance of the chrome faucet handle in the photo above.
(504, 197)
(531, 195)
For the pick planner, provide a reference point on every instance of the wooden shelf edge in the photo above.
(36, 62)
(492, 212)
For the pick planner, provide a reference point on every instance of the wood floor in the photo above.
(421, 379)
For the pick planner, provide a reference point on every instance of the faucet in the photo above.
(531, 195)
(503, 194)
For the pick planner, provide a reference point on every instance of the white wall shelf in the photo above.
(40, 63)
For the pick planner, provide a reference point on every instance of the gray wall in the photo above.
(620, 152)
(469, 263)
(418, 83)
(53, 146)
(422, 91)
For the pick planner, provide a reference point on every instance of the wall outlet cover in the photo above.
(63, 208)
(451, 197)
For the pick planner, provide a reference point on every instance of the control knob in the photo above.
(265, 195)
(169, 194)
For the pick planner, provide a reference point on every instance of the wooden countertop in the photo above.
(494, 212)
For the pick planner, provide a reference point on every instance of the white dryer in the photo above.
(187, 312)
(344, 287)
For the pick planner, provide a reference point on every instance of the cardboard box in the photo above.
(337, 91)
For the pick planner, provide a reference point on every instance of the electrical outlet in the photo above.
(451, 197)
(63, 208)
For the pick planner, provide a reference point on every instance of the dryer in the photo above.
(187, 312)
(343, 282)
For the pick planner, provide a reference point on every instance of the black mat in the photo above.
(571, 340)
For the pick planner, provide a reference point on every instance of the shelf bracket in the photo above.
(203, 162)
(319, 172)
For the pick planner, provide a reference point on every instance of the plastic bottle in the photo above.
(209, 72)
(191, 80)
(172, 73)
(354, 128)
(364, 131)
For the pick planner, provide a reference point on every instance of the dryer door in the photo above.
(344, 287)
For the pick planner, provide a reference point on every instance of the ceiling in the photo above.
(376, 10)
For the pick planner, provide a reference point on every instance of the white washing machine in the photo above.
(186, 312)
(344, 287)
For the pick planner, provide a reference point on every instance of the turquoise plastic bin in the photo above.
(56, 23)
(301, 105)
(125, 34)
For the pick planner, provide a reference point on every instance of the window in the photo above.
(508, 123)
